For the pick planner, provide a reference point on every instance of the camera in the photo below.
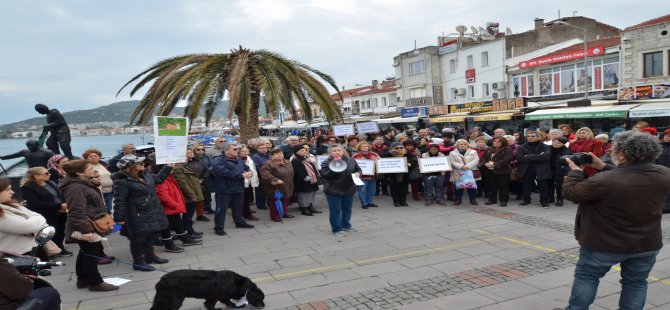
(577, 158)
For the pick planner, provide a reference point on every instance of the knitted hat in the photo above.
(650, 130)
(128, 160)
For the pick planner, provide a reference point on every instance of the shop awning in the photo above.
(494, 116)
(650, 110)
(449, 118)
(608, 111)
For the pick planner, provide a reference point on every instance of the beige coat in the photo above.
(456, 160)
(254, 180)
(16, 225)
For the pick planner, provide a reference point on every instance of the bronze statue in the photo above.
(58, 129)
(35, 156)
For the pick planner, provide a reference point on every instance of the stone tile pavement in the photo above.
(417, 257)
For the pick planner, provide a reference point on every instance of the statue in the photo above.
(58, 129)
(35, 156)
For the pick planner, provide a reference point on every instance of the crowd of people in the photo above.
(156, 204)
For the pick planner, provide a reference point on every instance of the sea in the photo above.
(108, 145)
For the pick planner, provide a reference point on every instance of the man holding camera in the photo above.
(619, 218)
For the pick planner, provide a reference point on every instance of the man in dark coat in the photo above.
(534, 164)
(35, 156)
(58, 129)
(619, 218)
(230, 172)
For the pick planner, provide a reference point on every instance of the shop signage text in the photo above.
(547, 60)
(415, 102)
(412, 112)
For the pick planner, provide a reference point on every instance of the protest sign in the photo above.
(367, 166)
(171, 139)
(392, 165)
(367, 127)
(343, 130)
(434, 164)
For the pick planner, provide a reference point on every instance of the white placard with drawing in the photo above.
(392, 165)
(367, 127)
(320, 159)
(344, 130)
(367, 166)
(434, 164)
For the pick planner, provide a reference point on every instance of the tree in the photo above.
(202, 80)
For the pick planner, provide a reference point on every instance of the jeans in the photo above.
(87, 262)
(366, 192)
(109, 198)
(187, 218)
(225, 201)
(594, 265)
(433, 187)
(339, 207)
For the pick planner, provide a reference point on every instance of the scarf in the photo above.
(310, 170)
(52, 163)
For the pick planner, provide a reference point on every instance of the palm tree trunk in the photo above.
(249, 125)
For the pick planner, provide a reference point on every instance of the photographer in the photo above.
(619, 218)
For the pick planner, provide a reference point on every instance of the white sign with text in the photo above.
(367, 166)
(367, 127)
(344, 130)
(434, 164)
(392, 165)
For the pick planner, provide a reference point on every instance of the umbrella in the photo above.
(279, 205)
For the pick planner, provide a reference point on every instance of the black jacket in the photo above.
(501, 160)
(339, 183)
(537, 155)
(299, 174)
(137, 204)
(40, 200)
(620, 209)
(558, 168)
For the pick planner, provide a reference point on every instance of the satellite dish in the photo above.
(337, 165)
(474, 30)
(461, 29)
(508, 31)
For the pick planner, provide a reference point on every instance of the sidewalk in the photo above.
(416, 257)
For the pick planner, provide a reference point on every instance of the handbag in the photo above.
(51, 248)
(514, 176)
(464, 179)
(104, 225)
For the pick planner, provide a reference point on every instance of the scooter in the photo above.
(32, 267)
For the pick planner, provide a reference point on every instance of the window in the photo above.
(452, 66)
(384, 102)
(417, 92)
(471, 62)
(471, 91)
(417, 67)
(485, 59)
(486, 91)
(653, 64)
(374, 103)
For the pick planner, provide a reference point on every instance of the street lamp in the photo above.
(560, 22)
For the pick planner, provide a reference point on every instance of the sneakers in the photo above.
(103, 287)
(244, 225)
(64, 253)
(429, 202)
(202, 218)
(350, 229)
(339, 233)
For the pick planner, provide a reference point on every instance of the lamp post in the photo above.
(560, 22)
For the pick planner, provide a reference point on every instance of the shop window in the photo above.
(485, 59)
(417, 67)
(568, 81)
(546, 83)
(653, 64)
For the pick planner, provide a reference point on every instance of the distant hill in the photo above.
(115, 112)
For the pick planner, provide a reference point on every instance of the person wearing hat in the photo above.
(137, 207)
(558, 169)
(433, 182)
(410, 131)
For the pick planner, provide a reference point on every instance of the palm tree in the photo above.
(202, 80)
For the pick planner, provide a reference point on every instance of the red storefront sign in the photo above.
(470, 76)
(446, 43)
(547, 60)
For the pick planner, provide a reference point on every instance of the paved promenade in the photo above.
(416, 257)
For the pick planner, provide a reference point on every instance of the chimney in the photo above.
(374, 83)
(539, 23)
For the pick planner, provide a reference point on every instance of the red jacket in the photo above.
(171, 197)
(588, 145)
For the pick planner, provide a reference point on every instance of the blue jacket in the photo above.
(260, 159)
(228, 173)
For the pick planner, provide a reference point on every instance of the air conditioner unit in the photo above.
(498, 85)
(495, 95)
(459, 91)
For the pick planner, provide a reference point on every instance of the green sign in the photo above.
(571, 115)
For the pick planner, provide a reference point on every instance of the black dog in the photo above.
(210, 285)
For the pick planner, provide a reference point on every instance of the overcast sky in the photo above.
(74, 55)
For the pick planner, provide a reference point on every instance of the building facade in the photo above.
(419, 77)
